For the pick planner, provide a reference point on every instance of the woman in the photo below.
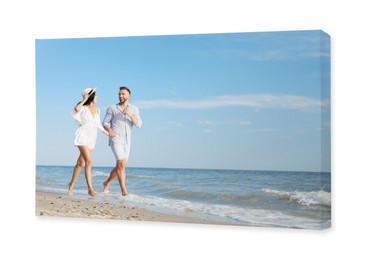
(88, 118)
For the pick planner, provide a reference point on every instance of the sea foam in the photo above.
(225, 213)
(312, 198)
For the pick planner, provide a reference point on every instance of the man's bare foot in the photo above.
(70, 189)
(92, 193)
(105, 187)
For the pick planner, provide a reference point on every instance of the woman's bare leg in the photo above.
(86, 154)
(79, 165)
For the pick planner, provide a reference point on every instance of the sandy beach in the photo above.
(60, 205)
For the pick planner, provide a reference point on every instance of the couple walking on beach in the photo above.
(117, 124)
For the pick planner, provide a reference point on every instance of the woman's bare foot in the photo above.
(71, 186)
(92, 193)
(124, 192)
(105, 187)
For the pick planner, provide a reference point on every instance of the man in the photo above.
(118, 121)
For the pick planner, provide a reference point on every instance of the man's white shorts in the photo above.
(120, 151)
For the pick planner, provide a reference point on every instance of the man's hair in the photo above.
(126, 88)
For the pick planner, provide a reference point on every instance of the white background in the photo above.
(24, 235)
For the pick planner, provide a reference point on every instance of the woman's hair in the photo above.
(90, 99)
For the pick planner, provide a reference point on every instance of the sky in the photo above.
(250, 101)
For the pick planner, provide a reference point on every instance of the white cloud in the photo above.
(241, 122)
(273, 46)
(173, 123)
(208, 131)
(244, 122)
(261, 130)
(261, 101)
(207, 122)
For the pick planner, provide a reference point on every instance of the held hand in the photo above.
(111, 133)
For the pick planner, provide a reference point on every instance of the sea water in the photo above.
(237, 197)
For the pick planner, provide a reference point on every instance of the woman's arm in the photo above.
(80, 104)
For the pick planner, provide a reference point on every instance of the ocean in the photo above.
(236, 197)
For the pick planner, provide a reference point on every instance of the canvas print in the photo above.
(223, 129)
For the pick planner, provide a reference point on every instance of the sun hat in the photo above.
(88, 90)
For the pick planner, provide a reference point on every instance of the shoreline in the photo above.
(62, 205)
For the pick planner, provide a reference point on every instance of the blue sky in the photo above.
(254, 101)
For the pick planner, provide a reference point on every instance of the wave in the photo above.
(312, 198)
(140, 176)
(185, 194)
(101, 174)
(209, 196)
(228, 213)
(43, 181)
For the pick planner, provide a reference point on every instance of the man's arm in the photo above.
(107, 121)
(135, 118)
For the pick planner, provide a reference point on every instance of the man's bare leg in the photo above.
(111, 177)
(121, 175)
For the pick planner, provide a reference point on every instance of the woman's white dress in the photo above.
(86, 134)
